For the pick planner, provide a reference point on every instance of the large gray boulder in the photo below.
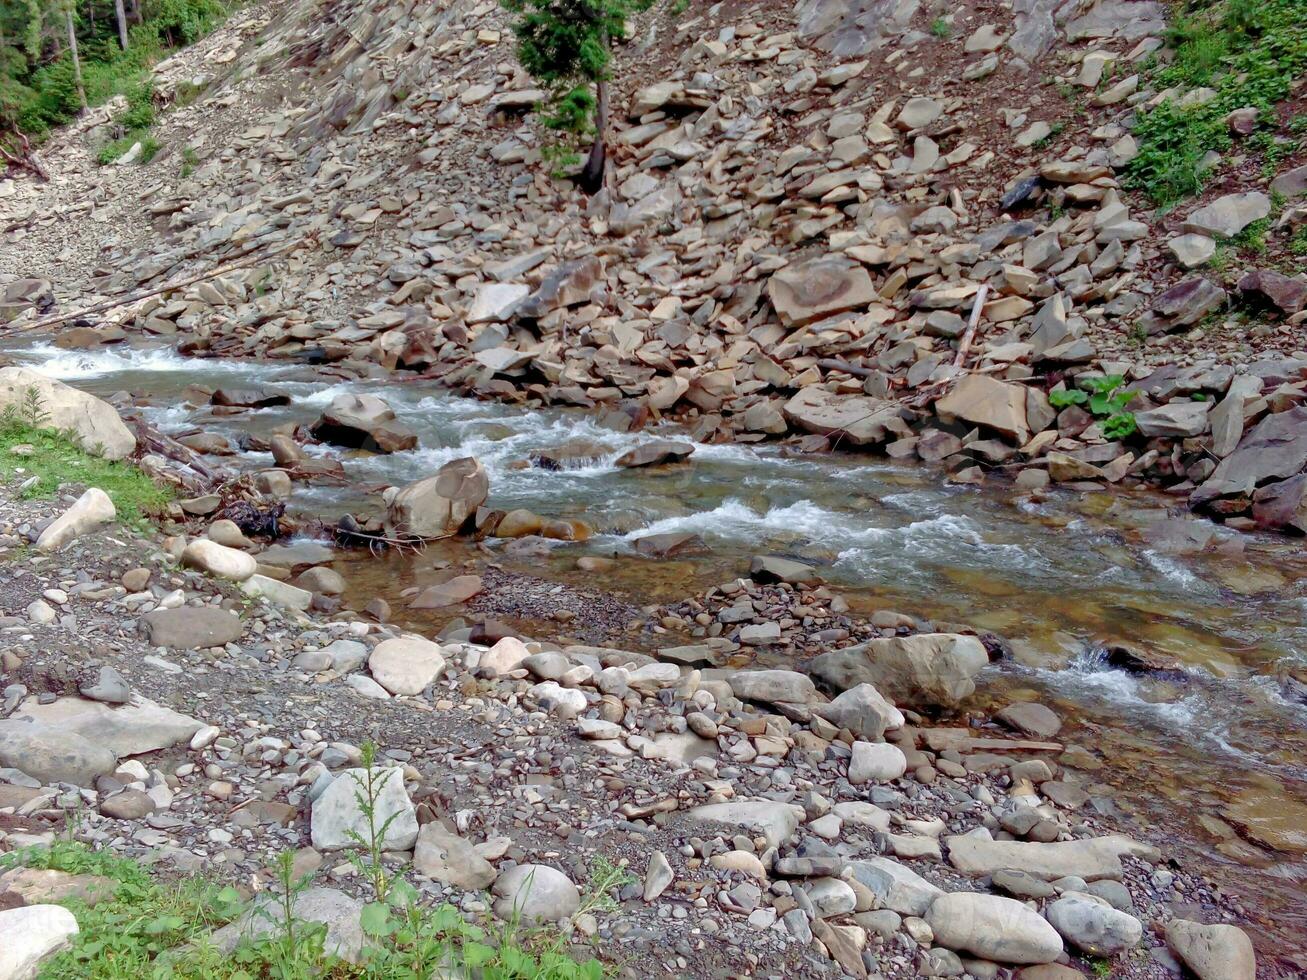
(192, 627)
(776, 822)
(446, 857)
(53, 755)
(129, 729)
(95, 425)
(535, 893)
(925, 670)
(406, 664)
(772, 686)
(340, 913)
(863, 711)
(90, 510)
(1218, 952)
(31, 934)
(1091, 859)
(895, 885)
(1091, 924)
(993, 928)
(438, 506)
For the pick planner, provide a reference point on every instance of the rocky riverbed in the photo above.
(183, 697)
(795, 543)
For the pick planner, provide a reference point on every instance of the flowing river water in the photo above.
(1212, 763)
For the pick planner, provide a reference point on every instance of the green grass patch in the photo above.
(115, 149)
(1298, 243)
(151, 927)
(1250, 53)
(29, 450)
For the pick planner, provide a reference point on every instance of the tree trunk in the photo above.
(121, 14)
(77, 61)
(592, 174)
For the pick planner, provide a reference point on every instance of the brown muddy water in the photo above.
(1210, 762)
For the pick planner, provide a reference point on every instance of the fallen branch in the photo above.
(24, 159)
(195, 474)
(964, 348)
(124, 300)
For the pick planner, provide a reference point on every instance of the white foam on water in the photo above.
(167, 417)
(74, 365)
(1088, 676)
(319, 395)
(735, 519)
(1172, 571)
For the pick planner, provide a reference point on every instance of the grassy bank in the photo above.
(137, 923)
(44, 460)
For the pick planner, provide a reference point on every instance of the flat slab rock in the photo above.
(776, 822)
(129, 729)
(855, 419)
(1092, 859)
(192, 627)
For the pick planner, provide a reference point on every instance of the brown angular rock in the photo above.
(988, 402)
(854, 419)
(811, 290)
(438, 506)
(1289, 295)
(363, 422)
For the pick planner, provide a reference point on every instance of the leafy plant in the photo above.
(941, 28)
(1105, 401)
(566, 46)
(1253, 237)
(371, 847)
(1298, 243)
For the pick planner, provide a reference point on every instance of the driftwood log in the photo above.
(22, 157)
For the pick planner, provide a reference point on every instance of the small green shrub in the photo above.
(1298, 243)
(941, 28)
(1104, 401)
(1253, 237)
(111, 151)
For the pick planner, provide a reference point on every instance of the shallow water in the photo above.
(1057, 577)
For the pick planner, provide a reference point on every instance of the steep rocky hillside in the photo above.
(806, 207)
